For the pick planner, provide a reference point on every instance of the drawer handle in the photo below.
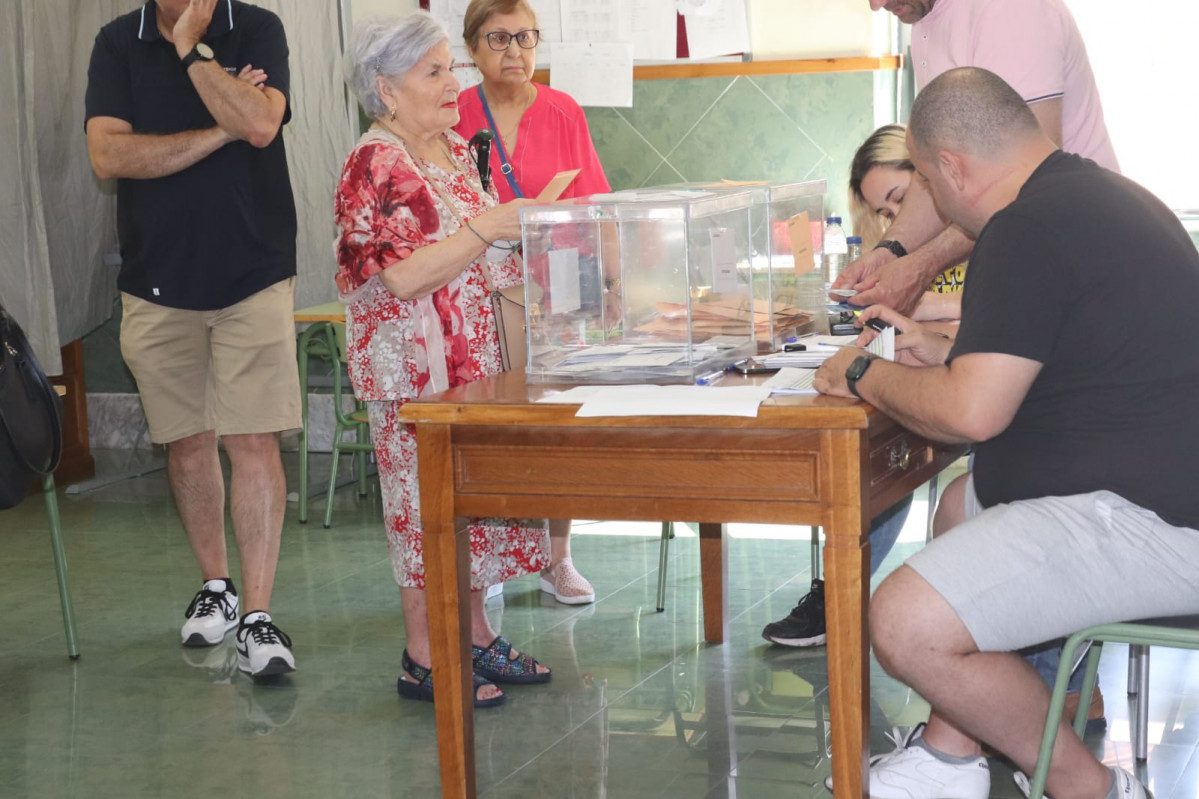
(900, 455)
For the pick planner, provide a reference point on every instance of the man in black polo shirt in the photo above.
(185, 103)
(1081, 509)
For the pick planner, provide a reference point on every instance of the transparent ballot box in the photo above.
(786, 226)
(645, 286)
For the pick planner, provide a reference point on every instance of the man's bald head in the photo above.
(970, 110)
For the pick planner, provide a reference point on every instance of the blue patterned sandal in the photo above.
(497, 664)
(422, 689)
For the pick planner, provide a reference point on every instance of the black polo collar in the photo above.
(222, 21)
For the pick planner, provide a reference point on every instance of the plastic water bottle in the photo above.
(854, 244)
(836, 250)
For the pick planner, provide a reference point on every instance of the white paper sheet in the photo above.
(589, 21)
(654, 28)
(595, 74)
(792, 381)
(718, 28)
(643, 400)
(724, 260)
(564, 280)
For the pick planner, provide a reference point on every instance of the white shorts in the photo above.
(1031, 571)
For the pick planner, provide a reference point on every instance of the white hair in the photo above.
(388, 46)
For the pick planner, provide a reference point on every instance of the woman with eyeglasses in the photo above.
(538, 132)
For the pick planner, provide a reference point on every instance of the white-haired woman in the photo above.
(415, 252)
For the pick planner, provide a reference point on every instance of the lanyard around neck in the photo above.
(505, 167)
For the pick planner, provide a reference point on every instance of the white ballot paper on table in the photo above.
(649, 400)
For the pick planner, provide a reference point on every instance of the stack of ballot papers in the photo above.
(639, 363)
(791, 381)
(820, 348)
(719, 317)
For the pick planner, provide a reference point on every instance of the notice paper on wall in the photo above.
(715, 27)
(595, 73)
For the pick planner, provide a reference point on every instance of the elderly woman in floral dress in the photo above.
(419, 242)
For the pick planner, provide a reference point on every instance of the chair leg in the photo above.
(362, 435)
(663, 551)
(1140, 726)
(1053, 718)
(1134, 668)
(302, 363)
(337, 433)
(932, 506)
(60, 566)
(815, 552)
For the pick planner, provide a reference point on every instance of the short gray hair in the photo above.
(388, 46)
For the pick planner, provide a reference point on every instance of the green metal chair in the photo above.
(328, 340)
(60, 566)
(314, 341)
(356, 420)
(1181, 632)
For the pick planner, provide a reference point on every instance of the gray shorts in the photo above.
(1031, 571)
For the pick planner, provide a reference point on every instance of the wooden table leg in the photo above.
(846, 598)
(447, 588)
(714, 572)
(846, 590)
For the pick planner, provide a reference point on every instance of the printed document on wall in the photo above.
(595, 73)
(589, 21)
(654, 29)
(715, 27)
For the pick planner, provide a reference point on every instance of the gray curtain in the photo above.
(58, 224)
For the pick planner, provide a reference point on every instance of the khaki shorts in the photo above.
(231, 370)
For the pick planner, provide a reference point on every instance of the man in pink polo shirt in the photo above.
(1035, 46)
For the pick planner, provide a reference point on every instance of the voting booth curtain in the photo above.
(58, 243)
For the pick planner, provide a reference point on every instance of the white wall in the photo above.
(780, 29)
(1144, 65)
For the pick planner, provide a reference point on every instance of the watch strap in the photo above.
(193, 56)
(894, 246)
(856, 371)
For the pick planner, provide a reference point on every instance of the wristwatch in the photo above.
(894, 246)
(201, 52)
(855, 371)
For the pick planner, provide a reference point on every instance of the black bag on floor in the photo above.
(30, 416)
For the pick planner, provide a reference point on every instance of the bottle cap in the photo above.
(854, 240)
(833, 220)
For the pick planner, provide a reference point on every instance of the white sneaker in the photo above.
(911, 772)
(263, 650)
(212, 614)
(1127, 786)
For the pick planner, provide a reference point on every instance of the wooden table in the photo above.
(487, 449)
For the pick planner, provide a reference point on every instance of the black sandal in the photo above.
(497, 664)
(422, 689)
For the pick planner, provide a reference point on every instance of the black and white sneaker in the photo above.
(263, 650)
(804, 625)
(211, 614)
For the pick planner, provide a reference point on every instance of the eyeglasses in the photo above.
(526, 39)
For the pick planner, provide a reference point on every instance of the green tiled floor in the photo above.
(639, 706)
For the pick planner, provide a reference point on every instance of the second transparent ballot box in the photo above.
(644, 286)
(785, 238)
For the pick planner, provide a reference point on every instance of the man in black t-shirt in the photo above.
(1080, 510)
(185, 104)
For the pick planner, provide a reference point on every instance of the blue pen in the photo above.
(710, 378)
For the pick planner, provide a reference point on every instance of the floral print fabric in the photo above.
(397, 349)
